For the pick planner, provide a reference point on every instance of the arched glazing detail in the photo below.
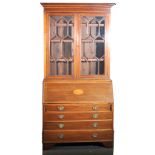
(61, 45)
(92, 45)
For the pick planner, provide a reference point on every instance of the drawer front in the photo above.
(55, 116)
(78, 125)
(77, 136)
(94, 92)
(78, 107)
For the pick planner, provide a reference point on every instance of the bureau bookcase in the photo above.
(77, 90)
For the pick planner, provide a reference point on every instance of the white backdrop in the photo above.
(132, 71)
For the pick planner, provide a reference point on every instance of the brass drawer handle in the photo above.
(95, 115)
(94, 107)
(94, 135)
(61, 136)
(61, 116)
(61, 108)
(95, 124)
(61, 125)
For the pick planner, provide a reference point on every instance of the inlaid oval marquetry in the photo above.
(78, 92)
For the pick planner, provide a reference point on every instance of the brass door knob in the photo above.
(95, 124)
(95, 115)
(61, 136)
(61, 125)
(61, 116)
(61, 108)
(94, 135)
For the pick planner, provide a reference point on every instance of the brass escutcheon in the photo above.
(94, 135)
(95, 124)
(61, 108)
(94, 107)
(61, 125)
(61, 136)
(95, 115)
(61, 116)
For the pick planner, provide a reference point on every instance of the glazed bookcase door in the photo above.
(77, 46)
(61, 46)
(92, 53)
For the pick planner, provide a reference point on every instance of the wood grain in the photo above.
(78, 7)
(85, 135)
(78, 125)
(53, 116)
(64, 92)
(78, 107)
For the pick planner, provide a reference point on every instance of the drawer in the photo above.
(77, 136)
(80, 125)
(55, 116)
(78, 107)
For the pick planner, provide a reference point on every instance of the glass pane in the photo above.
(92, 45)
(61, 45)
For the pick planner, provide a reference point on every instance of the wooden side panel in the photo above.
(92, 92)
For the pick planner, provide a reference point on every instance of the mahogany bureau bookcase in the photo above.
(77, 90)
